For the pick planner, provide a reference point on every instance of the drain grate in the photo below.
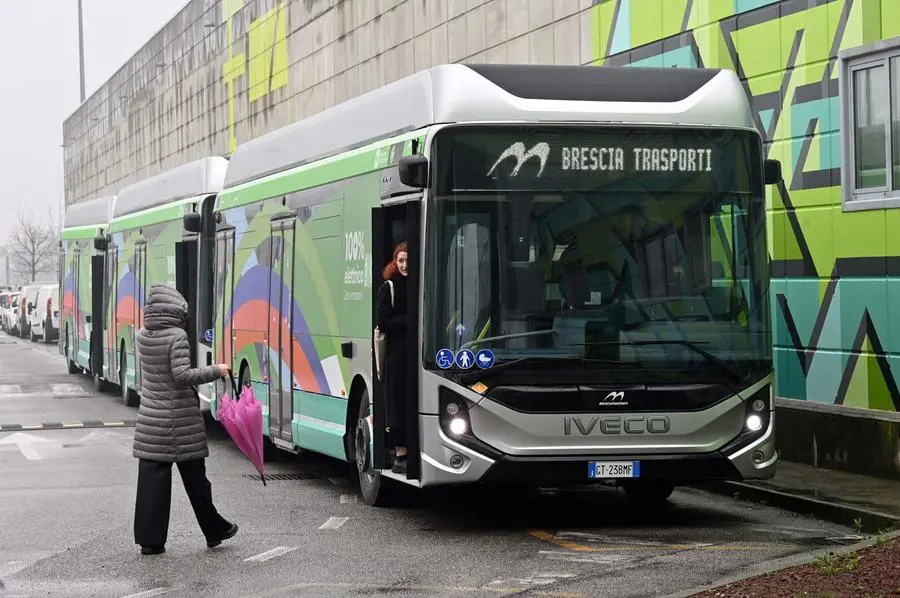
(283, 476)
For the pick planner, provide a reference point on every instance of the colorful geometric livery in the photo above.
(290, 291)
(834, 282)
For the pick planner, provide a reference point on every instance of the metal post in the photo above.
(81, 48)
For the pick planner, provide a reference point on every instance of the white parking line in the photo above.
(349, 499)
(153, 592)
(271, 554)
(334, 522)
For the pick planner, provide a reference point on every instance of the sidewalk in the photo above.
(866, 503)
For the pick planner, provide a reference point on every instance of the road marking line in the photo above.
(334, 522)
(271, 554)
(8, 389)
(551, 539)
(368, 588)
(349, 499)
(153, 592)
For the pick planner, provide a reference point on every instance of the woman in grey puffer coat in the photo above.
(170, 427)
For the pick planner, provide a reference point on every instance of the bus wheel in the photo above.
(71, 365)
(376, 490)
(129, 397)
(648, 493)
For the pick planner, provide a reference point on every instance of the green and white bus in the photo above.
(145, 243)
(81, 272)
(588, 277)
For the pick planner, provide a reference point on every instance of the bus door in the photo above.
(186, 284)
(391, 224)
(140, 293)
(110, 364)
(98, 279)
(281, 345)
(76, 307)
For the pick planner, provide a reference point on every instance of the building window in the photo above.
(870, 126)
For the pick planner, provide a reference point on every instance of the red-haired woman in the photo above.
(390, 317)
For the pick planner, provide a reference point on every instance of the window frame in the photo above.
(852, 61)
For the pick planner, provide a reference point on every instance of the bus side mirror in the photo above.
(414, 171)
(772, 170)
(192, 222)
(100, 243)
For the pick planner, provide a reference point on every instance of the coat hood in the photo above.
(164, 308)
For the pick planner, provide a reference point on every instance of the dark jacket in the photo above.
(169, 423)
(392, 321)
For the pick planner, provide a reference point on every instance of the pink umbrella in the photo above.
(242, 418)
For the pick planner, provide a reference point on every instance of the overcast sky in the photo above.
(40, 87)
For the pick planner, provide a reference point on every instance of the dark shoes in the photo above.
(399, 465)
(229, 533)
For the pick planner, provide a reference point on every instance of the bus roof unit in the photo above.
(456, 93)
(201, 177)
(94, 212)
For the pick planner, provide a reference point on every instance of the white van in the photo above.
(27, 305)
(44, 317)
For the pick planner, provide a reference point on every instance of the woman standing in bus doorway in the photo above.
(170, 427)
(390, 317)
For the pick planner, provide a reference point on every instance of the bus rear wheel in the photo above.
(648, 493)
(376, 490)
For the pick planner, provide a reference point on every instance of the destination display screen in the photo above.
(594, 158)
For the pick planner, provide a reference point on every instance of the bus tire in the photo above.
(129, 397)
(648, 493)
(376, 490)
(70, 365)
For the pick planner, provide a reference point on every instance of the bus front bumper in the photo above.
(447, 460)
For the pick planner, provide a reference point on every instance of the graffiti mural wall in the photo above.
(836, 273)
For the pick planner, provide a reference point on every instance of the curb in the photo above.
(123, 423)
(781, 564)
(840, 513)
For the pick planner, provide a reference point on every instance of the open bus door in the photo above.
(186, 252)
(392, 224)
(194, 268)
(98, 279)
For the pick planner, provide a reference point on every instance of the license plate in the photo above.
(614, 469)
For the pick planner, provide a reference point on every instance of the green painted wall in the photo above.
(836, 312)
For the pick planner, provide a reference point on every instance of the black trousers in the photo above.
(154, 499)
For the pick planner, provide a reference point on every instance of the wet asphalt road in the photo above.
(67, 496)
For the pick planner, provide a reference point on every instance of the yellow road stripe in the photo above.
(113, 424)
(551, 539)
(75, 425)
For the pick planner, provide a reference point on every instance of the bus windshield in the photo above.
(598, 251)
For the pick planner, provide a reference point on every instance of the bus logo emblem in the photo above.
(614, 397)
(541, 151)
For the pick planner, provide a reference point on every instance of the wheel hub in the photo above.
(362, 447)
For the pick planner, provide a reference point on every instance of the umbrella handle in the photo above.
(234, 386)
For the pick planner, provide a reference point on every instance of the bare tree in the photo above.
(32, 248)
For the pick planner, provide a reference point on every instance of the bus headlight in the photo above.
(754, 422)
(454, 414)
(458, 426)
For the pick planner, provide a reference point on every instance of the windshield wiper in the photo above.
(722, 365)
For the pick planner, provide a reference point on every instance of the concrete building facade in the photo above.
(225, 71)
